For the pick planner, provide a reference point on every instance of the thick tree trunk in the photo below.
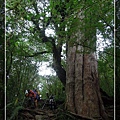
(82, 84)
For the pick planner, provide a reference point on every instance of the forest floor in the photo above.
(56, 114)
(37, 114)
(47, 114)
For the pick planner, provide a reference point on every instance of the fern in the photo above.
(15, 112)
(9, 104)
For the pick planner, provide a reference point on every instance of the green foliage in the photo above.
(106, 70)
(13, 108)
(15, 112)
(52, 85)
(2, 72)
(21, 72)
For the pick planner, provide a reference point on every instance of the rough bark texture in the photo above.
(82, 85)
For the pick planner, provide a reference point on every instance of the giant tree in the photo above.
(82, 82)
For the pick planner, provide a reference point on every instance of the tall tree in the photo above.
(82, 82)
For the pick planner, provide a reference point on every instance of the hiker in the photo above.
(33, 97)
(37, 94)
(52, 102)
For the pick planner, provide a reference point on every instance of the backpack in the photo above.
(36, 93)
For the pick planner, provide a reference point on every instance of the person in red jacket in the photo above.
(33, 96)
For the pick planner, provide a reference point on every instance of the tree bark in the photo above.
(61, 73)
(82, 84)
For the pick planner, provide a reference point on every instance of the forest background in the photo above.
(29, 44)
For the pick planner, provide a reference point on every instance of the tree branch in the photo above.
(36, 54)
(111, 27)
